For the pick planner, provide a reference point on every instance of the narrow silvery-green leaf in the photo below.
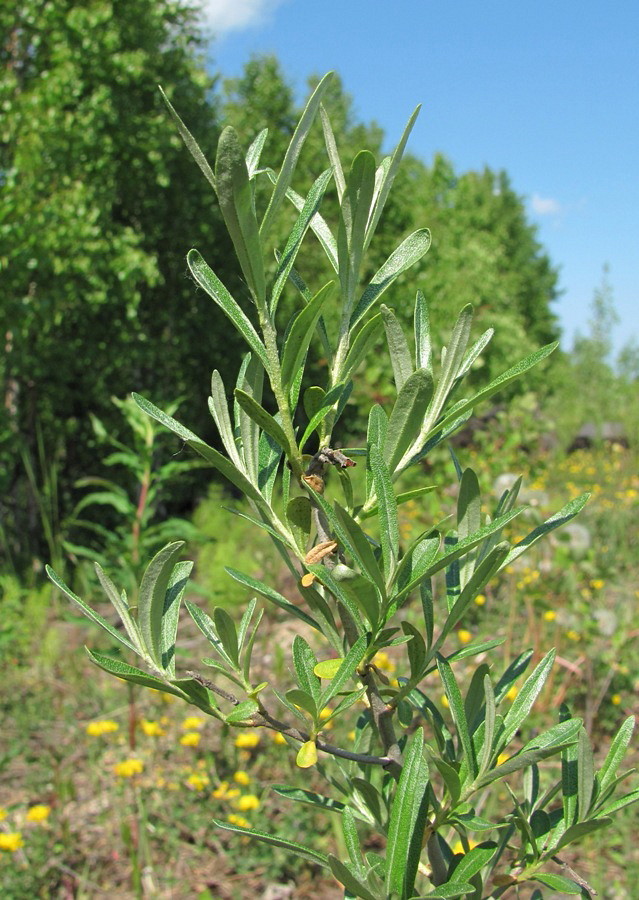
(152, 599)
(345, 672)
(322, 232)
(221, 463)
(120, 605)
(423, 350)
(585, 774)
(558, 883)
(235, 197)
(250, 379)
(332, 153)
(407, 416)
(359, 542)
(246, 621)
(130, 673)
(220, 412)
(265, 420)
(242, 712)
(270, 594)
(305, 661)
(375, 437)
(354, 211)
(361, 345)
(351, 840)
(298, 516)
(175, 590)
(254, 152)
(117, 636)
(191, 143)
(565, 514)
(615, 755)
(474, 861)
(490, 717)
(456, 706)
(416, 650)
(301, 334)
(287, 258)
(388, 523)
(407, 821)
(397, 347)
(225, 627)
(292, 154)
(403, 257)
(579, 831)
(523, 702)
(269, 456)
(389, 172)
(248, 651)
(208, 280)
(327, 402)
(468, 520)
(474, 352)
(305, 852)
(208, 628)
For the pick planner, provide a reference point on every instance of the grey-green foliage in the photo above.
(415, 774)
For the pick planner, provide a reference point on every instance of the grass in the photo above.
(102, 826)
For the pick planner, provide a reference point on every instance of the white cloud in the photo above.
(223, 16)
(545, 206)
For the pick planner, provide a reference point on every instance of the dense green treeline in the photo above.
(100, 203)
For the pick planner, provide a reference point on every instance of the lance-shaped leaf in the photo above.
(323, 234)
(310, 798)
(175, 590)
(474, 861)
(474, 352)
(191, 143)
(375, 437)
(209, 629)
(220, 412)
(291, 156)
(345, 672)
(313, 856)
(565, 514)
(235, 196)
(397, 347)
(558, 883)
(615, 755)
(408, 819)
(250, 379)
(353, 536)
(361, 345)
(332, 153)
(354, 887)
(468, 520)
(523, 702)
(121, 606)
(254, 152)
(243, 712)
(265, 420)
(354, 212)
(423, 348)
(585, 775)
(152, 599)
(403, 257)
(407, 416)
(389, 170)
(298, 516)
(270, 594)
(305, 661)
(333, 400)
(307, 213)
(116, 635)
(208, 280)
(456, 705)
(301, 334)
(388, 523)
(130, 673)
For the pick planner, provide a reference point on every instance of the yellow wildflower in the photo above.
(597, 583)
(247, 741)
(383, 661)
(129, 767)
(240, 821)
(3, 813)
(615, 699)
(220, 791)
(247, 802)
(198, 781)
(242, 778)
(38, 813)
(97, 729)
(325, 713)
(151, 729)
(550, 615)
(191, 739)
(573, 635)
(480, 599)
(11, 841)
(464, 636)
(192, 722)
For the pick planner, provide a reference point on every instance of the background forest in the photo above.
(99, 205)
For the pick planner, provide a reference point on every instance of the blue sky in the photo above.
(548, 91)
